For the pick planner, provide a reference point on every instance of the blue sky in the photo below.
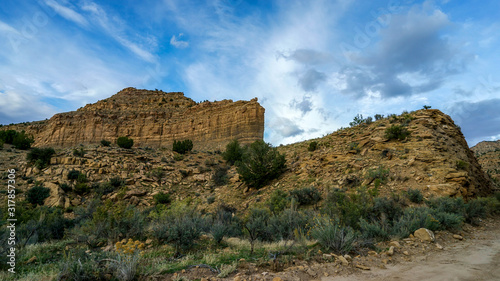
(313, 65)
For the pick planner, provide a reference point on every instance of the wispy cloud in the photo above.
(178, 43)
(67, 13)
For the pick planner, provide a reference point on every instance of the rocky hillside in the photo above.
(434, 158)
(488, 155)
(152, 118)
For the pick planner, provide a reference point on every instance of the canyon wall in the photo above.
(152, 118)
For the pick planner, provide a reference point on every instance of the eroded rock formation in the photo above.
(154, 118)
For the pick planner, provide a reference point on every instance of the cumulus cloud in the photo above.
(411, 57)
(305, 105)
(178, 43)
(286, 127)
(478, 120)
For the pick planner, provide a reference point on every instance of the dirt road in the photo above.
(476, 258)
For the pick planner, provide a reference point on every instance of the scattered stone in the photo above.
(406, 253)
(390, 252)
(362, 267)
(458, 237)
(326, 274)
(265, 273)
(327, 256)
(425, 234)
(277, 279)
(347, 257)
(311, 272)
(395, 244)
(343, 260)
(439, 246)
(203, 279)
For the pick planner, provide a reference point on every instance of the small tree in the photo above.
(396, 132)
(125, 142)
(182, 147)
(158, 174)
(256, 226)
(37, 195)
(427, 107)
(260, 163)
(23, 141)
(233, 153)
(105, 143)
(40, 156)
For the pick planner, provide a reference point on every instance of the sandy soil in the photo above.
(476, 258)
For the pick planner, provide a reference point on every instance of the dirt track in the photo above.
(476, 258)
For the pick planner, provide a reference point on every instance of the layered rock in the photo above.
(154, 118)
(488, 155)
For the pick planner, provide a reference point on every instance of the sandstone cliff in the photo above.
(488, 155)
(153, 118)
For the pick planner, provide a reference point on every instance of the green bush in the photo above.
(306, 196)
(261, 163)
(40, 156)
(386, 208)
(220, 176)
(79, 152)
(81, 188)
(125, 142)
(462, 165)
(23, 141)
(331, 235)
(348, 208)
(397, 132)
(37, 194)
(256, 226)
(413, 219)
(8, 136)
(475, 210)
(278, 201)
(415, 195)
(376, 229)
(233, 153)
(65, 187)
(448, 205)
(162, 198)
(313, 146)
(181, 229)
(73, 175)
(182, 147)
(285, 225)
(116, 182)
(105, 143)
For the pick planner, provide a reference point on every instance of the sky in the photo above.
(312, 64)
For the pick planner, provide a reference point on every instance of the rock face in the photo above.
(488, 155)
(154, 118)
(434, 158)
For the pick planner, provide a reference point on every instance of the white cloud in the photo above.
(178, 43)
(67, 13)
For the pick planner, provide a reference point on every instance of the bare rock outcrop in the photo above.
(153, 118)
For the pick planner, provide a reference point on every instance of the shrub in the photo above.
(413, 219)
(415, 195)
(427, 107)
(23, 141)
(287, 224)
(116, 182)
(377, 229)
(220, 176)
(65, 187)
(125, 142)
(8, 136)
(37, 194)
(261, 163)
(448, 205)
(182, 147)
(475, 209)
(40, 156)
(158, 174)
(105, 143)
(81, 188)
(162, 198)
(386, 208)
(79, 152)
(313, 146)
(179, 228)
(397, 132)
(256, 226)
(332, 236)
(462, 165)
(233, 153)
(278, 201)
(73, 175)
(358, 120)
(306, 196)
(348, 208)
(378, 117)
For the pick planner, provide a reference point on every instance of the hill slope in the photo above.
(488, 155)
(435, 159)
